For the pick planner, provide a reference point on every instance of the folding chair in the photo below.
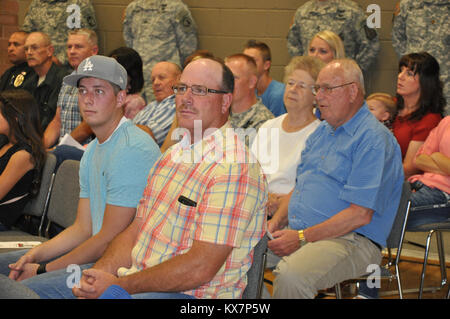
(38, 205)
(435, 228)
(63, 203)
(255, 275)
(394, 240)
(62, 209)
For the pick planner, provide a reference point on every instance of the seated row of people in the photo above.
(301, 78)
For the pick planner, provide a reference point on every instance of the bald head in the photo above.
(340, 92)
(164, 76)
(349, 70)
(16, 50)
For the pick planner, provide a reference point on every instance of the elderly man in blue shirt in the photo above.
(338, 216)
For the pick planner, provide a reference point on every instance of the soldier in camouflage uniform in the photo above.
(247, 110)
(424, 26)
(56, 18)
(159, 30)
(343, 17)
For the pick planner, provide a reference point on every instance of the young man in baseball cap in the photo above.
(110, 187)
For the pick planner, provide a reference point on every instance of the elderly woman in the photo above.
(420, 104)
(326, 45)
(280, 141)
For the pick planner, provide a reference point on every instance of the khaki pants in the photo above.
(322, 264)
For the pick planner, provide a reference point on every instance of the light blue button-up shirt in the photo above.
(360, 162)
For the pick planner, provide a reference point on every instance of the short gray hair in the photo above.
(352, 72)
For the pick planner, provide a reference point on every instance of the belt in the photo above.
(375, 243)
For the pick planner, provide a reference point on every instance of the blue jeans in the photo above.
(425, 196)
(54, 285)
(10, 258)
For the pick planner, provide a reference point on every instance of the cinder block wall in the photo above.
(8, 24)
(225, 25)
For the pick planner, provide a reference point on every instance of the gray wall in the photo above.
(225, 25)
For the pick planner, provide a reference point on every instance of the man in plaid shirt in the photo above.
(202, 212)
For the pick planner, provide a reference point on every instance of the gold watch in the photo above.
(301, 236)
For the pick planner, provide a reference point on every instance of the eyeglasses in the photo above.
(326, 89)
(180, 89)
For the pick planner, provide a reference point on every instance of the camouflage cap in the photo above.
(101, 67)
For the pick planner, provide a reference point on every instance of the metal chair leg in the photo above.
(338, 291)
(425, 260)
(441, 253)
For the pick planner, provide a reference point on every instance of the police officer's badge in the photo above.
(19, 79)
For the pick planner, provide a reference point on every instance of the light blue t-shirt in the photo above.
(361, 163)
(115, 172)
(272, 98)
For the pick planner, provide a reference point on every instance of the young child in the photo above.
(383, 107)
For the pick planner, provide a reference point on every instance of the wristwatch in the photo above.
(301, 236)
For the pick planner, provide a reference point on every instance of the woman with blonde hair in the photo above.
(327, 46)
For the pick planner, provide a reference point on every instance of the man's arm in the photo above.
(115, 220)
(81, 132)
(68, 239)
(280, 218)
(184, 272)
(286, 241)
(76, 242)
(180, 273)
(52, 132)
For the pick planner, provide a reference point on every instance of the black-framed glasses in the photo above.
(180, 89)
(326, 89)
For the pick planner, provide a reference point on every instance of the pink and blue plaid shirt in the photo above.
(226, 196)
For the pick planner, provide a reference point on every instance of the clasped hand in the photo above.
(93, 283)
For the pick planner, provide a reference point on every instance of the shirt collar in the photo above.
(352, 125)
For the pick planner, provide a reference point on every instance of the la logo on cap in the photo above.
(88, 65)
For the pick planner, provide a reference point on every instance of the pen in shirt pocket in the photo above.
(186, 201)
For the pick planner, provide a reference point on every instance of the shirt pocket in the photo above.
(336, 164)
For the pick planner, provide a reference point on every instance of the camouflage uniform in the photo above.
(50, 17)
(253, 118)
(424, 26)
(343, 17)
(159, 30)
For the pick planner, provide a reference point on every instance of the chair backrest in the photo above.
(62, 208)
(255, 275)
(38, 204)
(397, 233)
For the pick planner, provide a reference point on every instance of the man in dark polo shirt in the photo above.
(46, 82)
(16, 76)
